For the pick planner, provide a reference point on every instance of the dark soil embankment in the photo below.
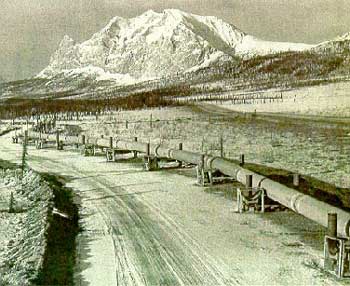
(8, 165)
(60, 255)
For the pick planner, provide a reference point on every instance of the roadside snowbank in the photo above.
(23, 245)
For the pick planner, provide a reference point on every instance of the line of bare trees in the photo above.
(20, 107)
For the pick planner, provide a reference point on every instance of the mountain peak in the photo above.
(338, 45)
(157, 44)
(66, 41)
(345, 37)
(175, 13)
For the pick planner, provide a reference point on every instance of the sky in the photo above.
(30, 30)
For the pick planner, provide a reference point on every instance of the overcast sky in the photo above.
(30, 30)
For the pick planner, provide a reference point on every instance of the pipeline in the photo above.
(131, 146)
(53, 137)
(300, 203)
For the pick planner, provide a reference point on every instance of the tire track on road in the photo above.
(149, 252)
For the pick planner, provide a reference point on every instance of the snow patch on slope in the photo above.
(94, 73)
(253, 46)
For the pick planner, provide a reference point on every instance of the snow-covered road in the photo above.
(158, 228)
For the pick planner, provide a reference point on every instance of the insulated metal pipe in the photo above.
(132, 146)
(303, 204)
(306, 205)
(102, 142)
(55, 137)
(162, 152)
(186, 156)
(71, 140)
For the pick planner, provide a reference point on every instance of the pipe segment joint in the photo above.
(209, 162)
(156, 150)
(170, 152)
(294, 202)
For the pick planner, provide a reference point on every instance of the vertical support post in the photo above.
(200, 171)
(148, 151)
(147, 159)
(239, 201)
(296, 180)
(58, 140)
(111, 142)
(249, 181)
(11, 203)
(262, 201)
(332, 225)
(241, 159)
(150, 121)
(135, 152)
(83, 139)
(249, 184)
(180, 148)
(126, 124)
(25, 137)
(221, 147)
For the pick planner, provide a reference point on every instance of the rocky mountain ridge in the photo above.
(153, 45)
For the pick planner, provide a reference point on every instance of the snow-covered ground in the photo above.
(158, 228)
(22, 234)
(323, 100)
(5, 127)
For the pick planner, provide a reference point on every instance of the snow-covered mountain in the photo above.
(158, 44)
(340, 44)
